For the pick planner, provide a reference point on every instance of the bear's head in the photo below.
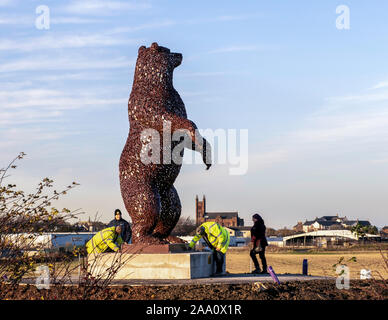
(155, 65)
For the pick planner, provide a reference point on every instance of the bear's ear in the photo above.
(141, 49)
(154, 46)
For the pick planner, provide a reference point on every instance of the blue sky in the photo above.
(313, 98)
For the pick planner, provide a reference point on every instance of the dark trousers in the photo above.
(219, 259)
(253, 253)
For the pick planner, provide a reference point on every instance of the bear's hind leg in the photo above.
(170, 213)
(143, 207)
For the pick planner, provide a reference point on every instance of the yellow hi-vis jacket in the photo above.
(104, 239)
(217, 236)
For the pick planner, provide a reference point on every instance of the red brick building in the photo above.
(226, 219)
(384, 232)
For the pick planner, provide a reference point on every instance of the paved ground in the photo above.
(226, 279)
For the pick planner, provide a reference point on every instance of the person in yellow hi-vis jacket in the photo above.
(105, 240)
(217, 238)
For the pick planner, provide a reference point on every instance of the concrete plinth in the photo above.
(188, 265)
(159, 248)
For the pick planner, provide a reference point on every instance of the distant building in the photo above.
(241, 231)
(325, 225)
(333, 218)
(329, 223)
(226, 219)
(325, 238)
(298, 227)
(89, 226)
(384, 232)
(308, 226)
(275, 241)
(353, 223)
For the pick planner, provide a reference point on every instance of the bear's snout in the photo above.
(177, 59)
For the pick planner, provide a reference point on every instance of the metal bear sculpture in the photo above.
(147, 188)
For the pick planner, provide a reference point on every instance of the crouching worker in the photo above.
(217, 238)
(106, 240)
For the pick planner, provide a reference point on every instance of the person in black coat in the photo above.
(259, 242)
(126, 232)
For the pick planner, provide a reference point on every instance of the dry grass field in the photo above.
(319, 264)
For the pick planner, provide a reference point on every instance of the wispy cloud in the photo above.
(223, 18)
(29, 20)
(51, 77)
(66, 63)
(366, 100)
(74, 20)
(17, 20)
(380, 85)
(19, 117)
(170, 22)
(20, 137)
(60, 42)
(361, 98)
(337, 128)
(54, 99)
(358, 125)
(33, 106)
(236, 49)
(149, 25)
(100, 7)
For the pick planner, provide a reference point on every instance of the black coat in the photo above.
(126, 232)
(258, 233)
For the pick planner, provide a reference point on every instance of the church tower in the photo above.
(200, 209)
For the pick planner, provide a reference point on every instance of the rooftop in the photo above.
(330, 220)
(327, 223)
(354, 222)
(242, 228)
(224, 215)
